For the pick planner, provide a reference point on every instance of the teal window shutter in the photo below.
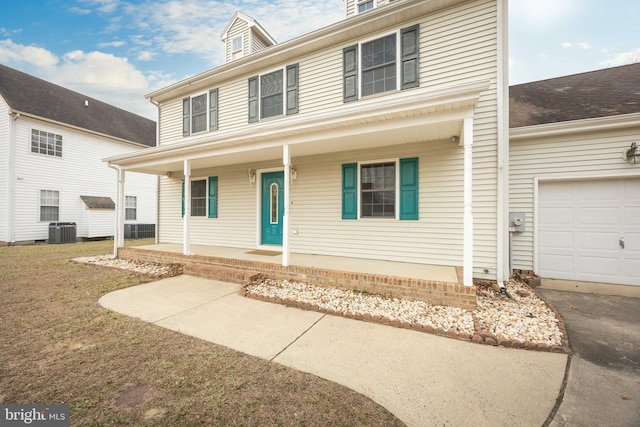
(253, 99)
(350, 73)
(292, 89)
(410, 46)
(350, 191)
(183, 197)
(409, 189)
(213, 197)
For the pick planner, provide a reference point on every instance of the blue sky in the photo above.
(119, 50)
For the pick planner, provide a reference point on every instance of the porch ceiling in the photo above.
(380, 121)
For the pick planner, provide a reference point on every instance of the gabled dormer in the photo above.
(243, 36)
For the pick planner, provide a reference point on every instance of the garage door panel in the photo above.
(559, 217)
(558, 264)
(580, 224)
(597, 241)
(555, 241)
(600, 216)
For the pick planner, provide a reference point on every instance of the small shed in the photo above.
(97, 217)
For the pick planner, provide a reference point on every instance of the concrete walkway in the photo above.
(422, 379)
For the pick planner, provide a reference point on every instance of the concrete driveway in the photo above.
(603, 383)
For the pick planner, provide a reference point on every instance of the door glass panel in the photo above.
(274, 203)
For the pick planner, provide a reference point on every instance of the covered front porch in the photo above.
(436, 284)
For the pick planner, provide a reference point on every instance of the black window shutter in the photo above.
(410, 49)
(253, 99)
(350, 191)
(292, 89)
(350, 73)
(213, 109)
(409, 189)
(186, 112)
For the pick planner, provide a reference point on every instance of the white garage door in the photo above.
(590, 230)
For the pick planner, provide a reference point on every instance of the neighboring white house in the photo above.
(52, 142)
(383, 136)
(575, 176)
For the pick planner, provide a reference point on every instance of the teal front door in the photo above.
(272, 207)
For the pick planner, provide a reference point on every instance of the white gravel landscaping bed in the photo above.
(517, 317)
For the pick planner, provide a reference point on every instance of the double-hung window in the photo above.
(46, 143)
(130, 207)
(200, 112)
(273, 94)
(49, 205)
(364, 5)
(385, 189)
(384, 64)
(204, 197)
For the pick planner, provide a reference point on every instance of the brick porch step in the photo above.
(220, 272)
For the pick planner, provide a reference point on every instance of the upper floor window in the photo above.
(200, 113)
(382, 65)
(46, 143)
(364, 5)
(273, 94)
(236, 47)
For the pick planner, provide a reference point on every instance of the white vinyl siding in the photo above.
(239, 28)
(80, 171)
(458, 45)
(4, 170)
(589, 155)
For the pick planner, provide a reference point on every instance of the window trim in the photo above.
(55, 145)
(357, 4)
(288, 87)
(129, 208)
(211, 205)
(40, 205)
(401, 61)
(187, 112)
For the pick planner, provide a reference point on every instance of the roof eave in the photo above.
(575, 126)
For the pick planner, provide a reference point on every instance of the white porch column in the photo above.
(468, 202)
(118, 237)
(186, 219)
(286, 160)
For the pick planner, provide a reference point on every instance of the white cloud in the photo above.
(113, 44)
(145, 56)
(566, 45)
(13, 53)
(624, 58)
(539, 15)
(584, 45)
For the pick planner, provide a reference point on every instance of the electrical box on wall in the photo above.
(516, 222)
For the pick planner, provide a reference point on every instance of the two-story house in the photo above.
(52, 142)
(380, 137)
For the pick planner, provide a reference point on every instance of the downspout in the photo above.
(503, 236)
(11, 178)
(118, 235)
(157, 239)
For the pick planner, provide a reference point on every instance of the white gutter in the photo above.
(11, 177)
(503, 247)
(118, 235)
(575, 126)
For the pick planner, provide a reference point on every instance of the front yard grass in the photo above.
(58, 345)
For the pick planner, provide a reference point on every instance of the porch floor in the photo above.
(436, 273)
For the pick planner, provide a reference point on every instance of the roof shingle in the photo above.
(602, 93)
(31, 95)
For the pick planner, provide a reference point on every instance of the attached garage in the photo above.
(589, 230)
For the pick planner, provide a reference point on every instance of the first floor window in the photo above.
(46, 143)
(49, 205)
(199, 198)
(204, 197)
(387, 189)
(130, 207)
(378, 190)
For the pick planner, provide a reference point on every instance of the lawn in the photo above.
(58, 345)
